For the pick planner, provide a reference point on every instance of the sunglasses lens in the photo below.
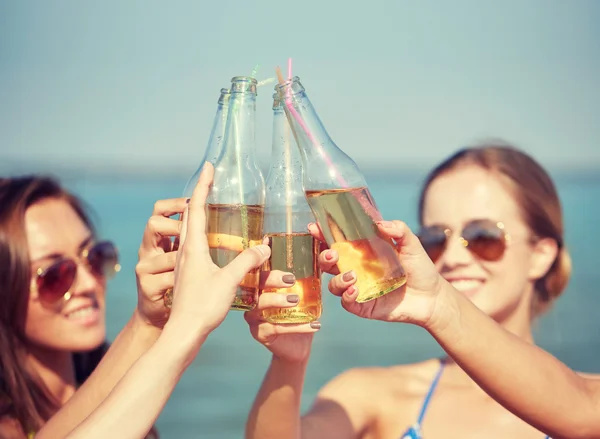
(485, 239)
(103, 259)
(56, 280)
(433, 240)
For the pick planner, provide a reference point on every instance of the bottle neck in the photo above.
(240, 140)
(285, 155)
(217, 132)
(325, 165)
(309, 131)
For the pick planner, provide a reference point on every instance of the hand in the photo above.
(154, 270)
(415, 302)
(291, 342)
(203, 292)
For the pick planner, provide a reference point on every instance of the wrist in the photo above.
(289, 362)
(184, 343)
(445, 316)
(142, 328)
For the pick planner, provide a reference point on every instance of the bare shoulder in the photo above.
(413, 378)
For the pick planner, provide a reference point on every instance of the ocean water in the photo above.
(216, 392)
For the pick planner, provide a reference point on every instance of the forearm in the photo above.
(276, 410)
(522, 377)
(131, 343)
(136, 401)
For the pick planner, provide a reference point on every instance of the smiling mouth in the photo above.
(466, 285)
(83, 312)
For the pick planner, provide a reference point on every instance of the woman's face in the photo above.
(54, 231)
(470, 193)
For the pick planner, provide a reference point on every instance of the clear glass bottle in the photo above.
(338, 195)
(287, 215)
(215, 140)
(237, 196)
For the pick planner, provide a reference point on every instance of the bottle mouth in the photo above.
(248, 79)
(287, 83)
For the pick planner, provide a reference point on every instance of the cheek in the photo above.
(43, 326)
(511, 273)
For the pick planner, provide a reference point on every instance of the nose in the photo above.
(85, 281)
(456, 253)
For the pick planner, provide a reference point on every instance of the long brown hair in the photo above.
(23, 396)
(536, 195)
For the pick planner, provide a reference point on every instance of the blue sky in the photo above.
(111, 85)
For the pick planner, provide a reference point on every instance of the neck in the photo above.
(56, 370)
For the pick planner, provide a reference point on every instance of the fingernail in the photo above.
(310, 225)
(288, 279)
(329, 255)
(293, 298)
(385, 223)
(348, 276)
(187, 201)
(315, 325)
(351, 290)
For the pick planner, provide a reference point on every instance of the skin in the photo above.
(459, 408)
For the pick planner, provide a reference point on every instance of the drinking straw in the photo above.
(288, 184)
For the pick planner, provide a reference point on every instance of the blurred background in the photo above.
(117, 100)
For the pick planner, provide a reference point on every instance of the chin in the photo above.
(87, 342)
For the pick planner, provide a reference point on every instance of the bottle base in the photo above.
(244, 301)
(362, 298)
(292, 316)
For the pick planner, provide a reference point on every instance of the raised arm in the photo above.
(525, 379)
(336, 414)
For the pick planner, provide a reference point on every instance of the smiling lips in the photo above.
(467, 286)
(86, 314)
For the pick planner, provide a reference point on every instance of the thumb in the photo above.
(407, 243)
(253, 257)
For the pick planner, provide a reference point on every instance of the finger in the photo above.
(246, 261)
(153, 285)
(268, 300)
(350, 304)
(340, 283)
(328, 260)
(407, 242)
(169, 207)
(276, 279)
(156, 264)
(265, 330)
(315, 231)
(157, 228)
(184, 227)
(196, 218)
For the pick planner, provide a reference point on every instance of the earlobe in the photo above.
(545, 252)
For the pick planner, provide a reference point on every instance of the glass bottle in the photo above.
(236, 199)
(287, 215)
(340, 199)
(214, 141)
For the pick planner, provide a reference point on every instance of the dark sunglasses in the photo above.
(485, 239)
(54, 282)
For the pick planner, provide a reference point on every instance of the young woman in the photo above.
(491, 221)
(53, 272)
(202, 296)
